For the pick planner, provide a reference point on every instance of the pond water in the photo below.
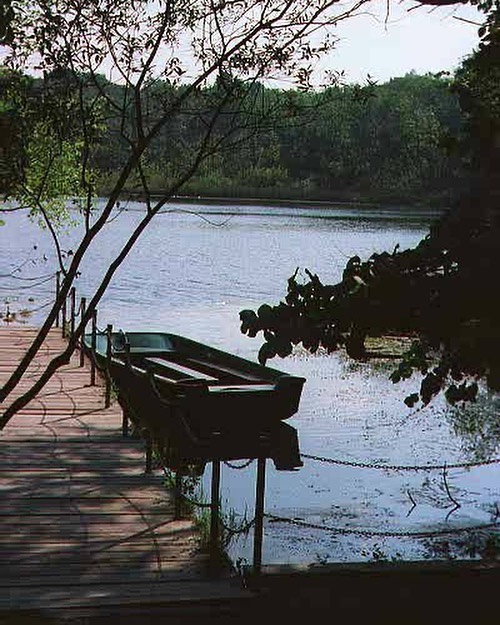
(192, 272)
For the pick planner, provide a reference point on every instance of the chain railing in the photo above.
(70, 312)
(14, 294)
(32, 283)
(367, 533)
(400, 467)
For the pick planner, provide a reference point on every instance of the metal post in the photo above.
(109, 330)
(93, 344)
(63, 321)
(177, 496)
(58, 290)
(83, 308)
(72, 299)
(214, 517)
(259, 514)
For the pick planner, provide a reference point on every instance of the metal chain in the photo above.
(246, 464)
(375, 533)
(400, 467)
(26, 286)
(26, 279)
(194, 502)
(33, 310)
(244, 529)
(345, 531)
(101, 368)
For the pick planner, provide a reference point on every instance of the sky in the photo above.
(423, 40)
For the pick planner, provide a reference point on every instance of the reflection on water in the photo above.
(190, 277)
(477, 425)
(368, 493)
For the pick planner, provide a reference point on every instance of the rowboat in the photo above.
(196, 398)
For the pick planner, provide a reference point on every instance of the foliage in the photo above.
(382, 141)
(478, 87)
(52, 175)
(377, 142)
(10, 135)
(443, 291)
(44, 145)
(194, 504)
(200, 105)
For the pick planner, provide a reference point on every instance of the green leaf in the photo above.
(265, 313)
(395, 377)
(411, 400)
(283, 347)
(265, 352)
(248, 322)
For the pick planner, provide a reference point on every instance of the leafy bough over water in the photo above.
(441, 290)
(436, 292)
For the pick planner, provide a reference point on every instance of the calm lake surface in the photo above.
(192, 272)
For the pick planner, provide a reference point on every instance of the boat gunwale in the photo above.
(267, 373)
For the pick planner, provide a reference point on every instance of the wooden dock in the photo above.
(82, 526)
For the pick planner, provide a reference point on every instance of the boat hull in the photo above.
(196, 398)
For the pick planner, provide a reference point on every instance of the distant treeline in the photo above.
(383, 142)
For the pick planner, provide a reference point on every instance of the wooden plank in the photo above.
(82, 576)
(123, 551)
(100, 483)
(177, 592)
(65, 530)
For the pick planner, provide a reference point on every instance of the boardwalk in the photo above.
(81, 524)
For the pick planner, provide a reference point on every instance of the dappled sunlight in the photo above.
(77, 507)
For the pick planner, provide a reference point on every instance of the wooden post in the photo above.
(125, 413)
(93, 344)
(58, 290)
(72, 299)
(109, 330)
(83, 308)
(259, 514)
(214, 518)
(124, 422)
(177, 496)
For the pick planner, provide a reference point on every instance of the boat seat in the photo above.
(243, 388)
(216, 368)
(179, 370)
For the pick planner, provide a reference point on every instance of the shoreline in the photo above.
(298, 203)
(389, 206)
